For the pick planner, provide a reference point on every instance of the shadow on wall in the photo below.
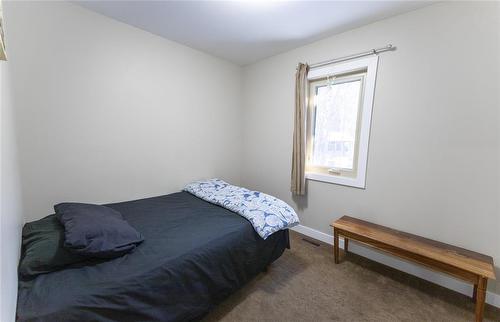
(12, 218)
(301, 201)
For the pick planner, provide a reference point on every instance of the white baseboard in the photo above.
(402, 265)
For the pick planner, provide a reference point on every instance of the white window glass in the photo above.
(335, 124)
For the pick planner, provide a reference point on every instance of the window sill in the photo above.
(344, 181)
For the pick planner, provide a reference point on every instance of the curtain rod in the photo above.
(363, 54)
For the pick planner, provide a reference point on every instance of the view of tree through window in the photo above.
(335, 126)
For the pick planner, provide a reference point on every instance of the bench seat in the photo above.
(461, 263)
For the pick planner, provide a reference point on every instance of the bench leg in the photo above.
(336, 245)
(346, 245)
(480, 297)
(474, 293)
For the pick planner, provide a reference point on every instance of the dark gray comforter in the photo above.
(194, 255)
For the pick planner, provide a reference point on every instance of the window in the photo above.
(338, 121)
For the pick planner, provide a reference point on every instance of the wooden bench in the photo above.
(461, 263)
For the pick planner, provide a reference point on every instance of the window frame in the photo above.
(368, 66)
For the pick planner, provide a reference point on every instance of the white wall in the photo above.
(434, 151)
(107, 112)
(11, 217)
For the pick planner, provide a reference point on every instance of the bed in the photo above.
(194, 255)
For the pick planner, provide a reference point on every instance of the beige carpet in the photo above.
(306, 285)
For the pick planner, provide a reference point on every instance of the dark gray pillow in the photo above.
(96, 231)
(42, 249)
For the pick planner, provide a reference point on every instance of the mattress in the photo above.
(195, 254)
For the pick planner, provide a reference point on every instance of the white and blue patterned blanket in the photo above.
(266, 213)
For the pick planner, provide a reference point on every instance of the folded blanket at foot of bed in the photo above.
(266, 213)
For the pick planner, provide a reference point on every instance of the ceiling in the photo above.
(244, 32)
